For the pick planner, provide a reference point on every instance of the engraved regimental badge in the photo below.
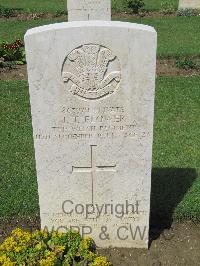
(91, 71)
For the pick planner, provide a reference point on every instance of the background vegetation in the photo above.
(177, 36)
(53, 6)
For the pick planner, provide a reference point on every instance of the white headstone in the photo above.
(194, 4)
(92, 100)
(89, 10)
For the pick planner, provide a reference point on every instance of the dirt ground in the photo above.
(165, 67)
(179, 245)
(17, 73)
(115, 15)
(27, 223)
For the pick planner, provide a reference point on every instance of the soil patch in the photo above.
(115, 15)
(165, 67)
(33, 16)
(179, 245)
(149, 14)
(17, 73)
(26, 223)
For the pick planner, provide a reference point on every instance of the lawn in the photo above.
(11, 30)
(177, 36)
(53, 6)
(157, 4)
(17, 170)
(176, 153)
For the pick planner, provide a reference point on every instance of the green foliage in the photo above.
(117, 7)
(51, 6)
(186, 12)
(135, 5)
(167, 6)
(59, 13)
(9, 65)
(7, 12)
(187, 64)
(13, 52)
(49, 249)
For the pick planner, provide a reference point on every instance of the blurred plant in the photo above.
(9, 65)
(187, 64)
(118, 6)
(59, 13)
(135, 5)
(12, 52)
(167, 6)
(186, 12)
(7, 12)
(42, 248)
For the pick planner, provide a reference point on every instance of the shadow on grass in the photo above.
(169, 185)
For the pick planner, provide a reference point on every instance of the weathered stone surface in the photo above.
(89, 10)
(194, 4)
(92, 101)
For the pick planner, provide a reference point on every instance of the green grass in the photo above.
(177, 36)
(61, 5)
(176, 153)
(36, 6)
(10, 30)
(18, 188)
(156, 4)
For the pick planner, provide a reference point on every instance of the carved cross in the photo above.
(93, 169)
